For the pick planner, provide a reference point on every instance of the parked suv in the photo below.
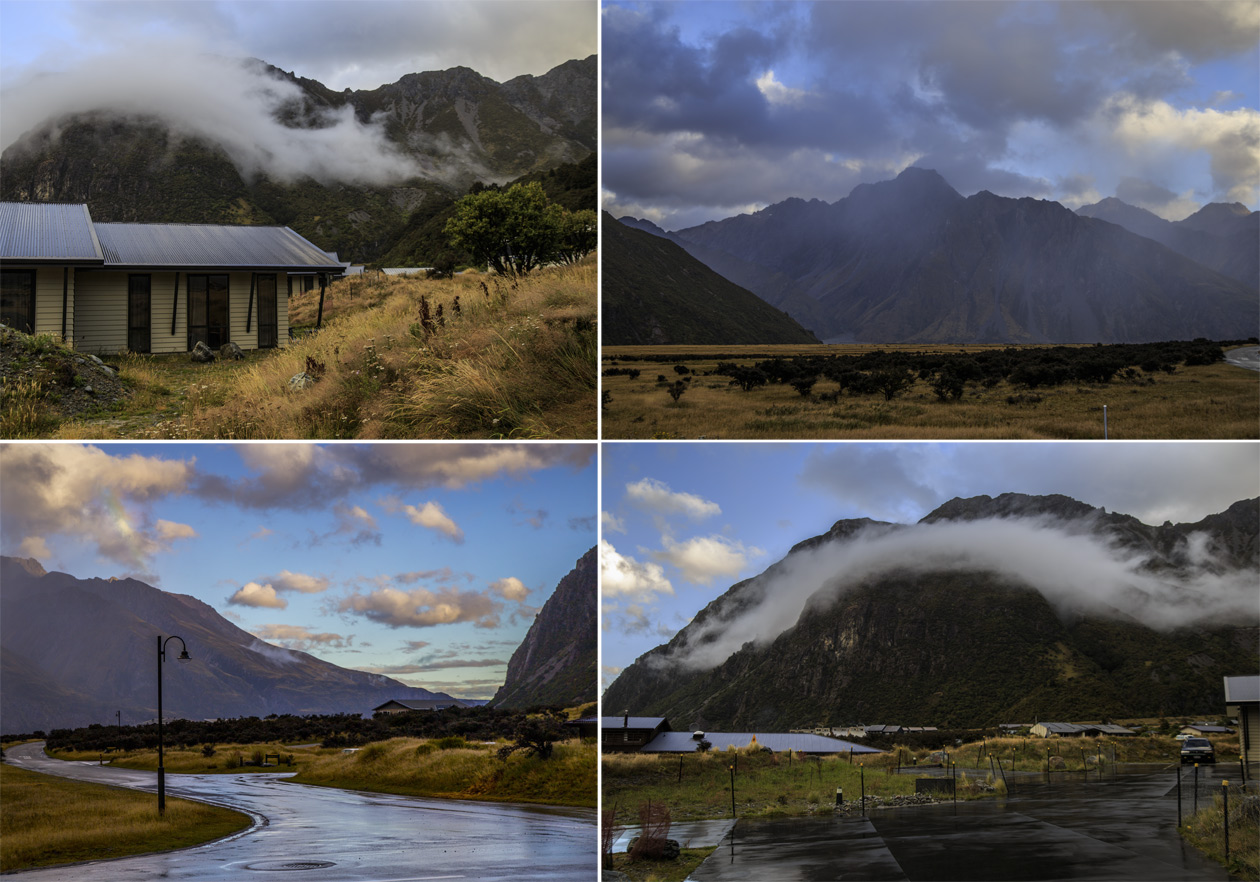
(1197, 750)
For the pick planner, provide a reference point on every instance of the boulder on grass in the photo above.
(231, 351)
(298, 382)
(202, 354)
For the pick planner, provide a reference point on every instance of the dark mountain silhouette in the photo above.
(556, 662)
(78, 650)
(655, 292)
(1223, 237)
(458, 127)
(960, 646)
(911, 260)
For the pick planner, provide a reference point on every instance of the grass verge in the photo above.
(660, 871)
(192, 760)
(415, 767)
(1205, 830)
(49, 820)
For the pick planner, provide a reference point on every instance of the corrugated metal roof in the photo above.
(210, 245)
(634, 723)
(1242, 689)
(685, 742)
(41, 231)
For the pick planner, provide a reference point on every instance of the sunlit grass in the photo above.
(49, 820)
(193, 760)
(416, 767)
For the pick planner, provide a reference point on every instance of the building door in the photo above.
(139, 313)
(208, 313)
(17, 300)
(268, 321)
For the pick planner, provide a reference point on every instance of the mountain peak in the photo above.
(29, 564)
(1009, 505)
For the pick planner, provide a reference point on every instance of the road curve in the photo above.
(1245, 357)
(322, 834)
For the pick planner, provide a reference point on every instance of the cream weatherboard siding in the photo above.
(48, 301)
(101, 309)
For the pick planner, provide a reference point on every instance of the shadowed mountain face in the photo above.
(78, 650)
(911, 260)
(655, 292)
(1223, 237)
(556, 662)
(450, 128)
(987, 611)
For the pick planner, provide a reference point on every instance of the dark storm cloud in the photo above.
(1019, 98)
(1137, 191)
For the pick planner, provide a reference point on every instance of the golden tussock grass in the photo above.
(415, 767)
(192, 761)
(517, 360)
(48, 820)
(1213, 401)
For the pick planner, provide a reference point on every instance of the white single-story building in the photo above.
(109, 287)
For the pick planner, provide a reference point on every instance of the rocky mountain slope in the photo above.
(452, 128)
(655, 292)
(989, 610)
(77, 650)
(556, 662)
(911, 260)
(1221, 236)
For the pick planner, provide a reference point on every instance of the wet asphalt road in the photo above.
(1246, 357)
(1123, 829)
(362, 837)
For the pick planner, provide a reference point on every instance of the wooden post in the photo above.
(175, 304)
(249, 312)
(319, 319)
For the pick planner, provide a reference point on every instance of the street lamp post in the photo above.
(183, 656)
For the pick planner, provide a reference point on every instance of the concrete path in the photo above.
(1121, 829)
(1246, 357)
(331, 835)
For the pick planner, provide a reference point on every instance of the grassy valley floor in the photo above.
(1202, 401)
(514, 359)
(48, 820)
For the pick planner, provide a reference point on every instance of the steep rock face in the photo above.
(77, 650)
(456, 126)
(655, 292)
(960, 646)
(556, 662)
(911, 260)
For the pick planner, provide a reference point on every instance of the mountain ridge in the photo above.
(960, 645)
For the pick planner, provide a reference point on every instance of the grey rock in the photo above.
(301, 381)
(202, 354)
(231, 351)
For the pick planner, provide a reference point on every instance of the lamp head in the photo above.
(184, 656)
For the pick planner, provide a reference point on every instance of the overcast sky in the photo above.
(713, 109)
(684, 522)
(345, 44)
(425, 562)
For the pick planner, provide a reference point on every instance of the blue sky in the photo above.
(684, 522)
(713, 109)
(426, 562)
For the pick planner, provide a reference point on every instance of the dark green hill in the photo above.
(655, 292)
(959, 647)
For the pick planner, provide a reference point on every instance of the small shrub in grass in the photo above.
(207, 750)
(450, 742)
(653, 838)
(423, 749)
(372, 753)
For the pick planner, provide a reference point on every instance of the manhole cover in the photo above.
(289, 865)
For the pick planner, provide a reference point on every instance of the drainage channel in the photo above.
(289, 865)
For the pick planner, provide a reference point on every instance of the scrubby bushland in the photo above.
(331, 730)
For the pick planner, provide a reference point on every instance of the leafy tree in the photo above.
(512, 230)
(676, 390)
(577, 235)
(535, 735)
(804, 385)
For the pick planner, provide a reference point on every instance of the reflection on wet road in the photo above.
(1245, 357)
(1121, 829)
(343, 835)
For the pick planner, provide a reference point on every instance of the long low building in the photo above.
(779, 742)
(113, 287)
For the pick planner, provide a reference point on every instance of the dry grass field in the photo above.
(48, 820)
(515, 359)
(1206, 401)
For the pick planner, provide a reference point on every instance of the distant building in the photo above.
(584, 727)
(1057, 730)
(1204, 729)
(626, 733)
(1242, 700)
(1110, 730)
(402, 705)
(113, 287)
(779, 742)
